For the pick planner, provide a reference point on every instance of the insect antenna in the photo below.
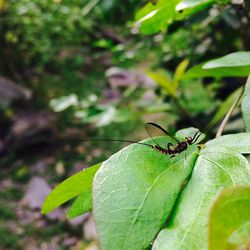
(197, 137)
(111, 140)
(199, 133)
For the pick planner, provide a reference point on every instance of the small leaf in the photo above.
(164, 80)
(236, 142)
(153, 18)
(134, 192)
(198, 71)
(245, 107)
(179, 72)
(81, 205)
(195, 4)
(237, 59)
(214, 170)
(70, 188)
(229, 222)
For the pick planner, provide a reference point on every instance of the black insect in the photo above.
(156, 130)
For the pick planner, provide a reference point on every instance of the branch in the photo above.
(229, 113)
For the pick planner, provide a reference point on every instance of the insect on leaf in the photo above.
(215, 169)
(134, 193)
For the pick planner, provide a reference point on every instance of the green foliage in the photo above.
(168, 83)
(156, 17)
(132, 197)
(81, 205)
(197, 5)
(142, 197)
(216, 168)
(229, 221)
(199, 71)
(235, 64)
(62, 49)
(198, 100)
(237, 59)
(135, 191)
(80, 183)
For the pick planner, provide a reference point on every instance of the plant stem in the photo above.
(229, 113)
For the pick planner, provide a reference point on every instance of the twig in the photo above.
(229, 113)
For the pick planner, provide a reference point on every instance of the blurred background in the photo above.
(77, 69)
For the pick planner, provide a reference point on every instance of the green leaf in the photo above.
(214, 170)
(237, 59)
(229, 222)
(225, 106)
(179, 72)
(197, 4)
(134, 192)
(187, 4)
(198, 71)
(239, 143)
(164, 80)
(245, 107)
(153, 18)
(71, 187)
(81, 205)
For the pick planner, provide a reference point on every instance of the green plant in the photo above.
(141, 197)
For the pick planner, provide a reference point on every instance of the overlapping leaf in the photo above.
(81, 205)
(215, 169)
(70, 188)
(134, 192)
